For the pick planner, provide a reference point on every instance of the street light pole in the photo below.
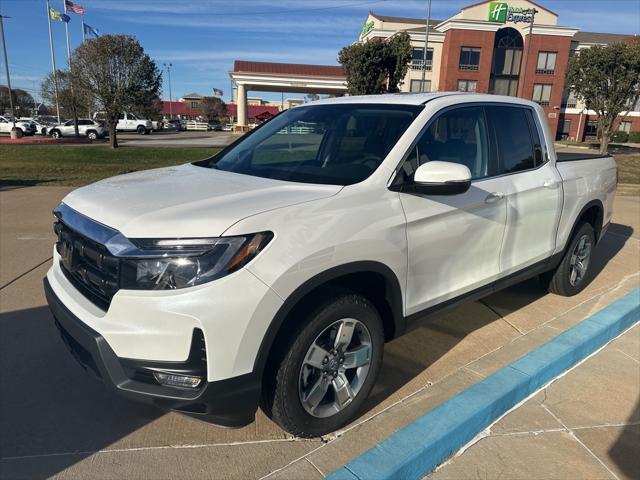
(426, 46)
(6, 69)
(168, 67)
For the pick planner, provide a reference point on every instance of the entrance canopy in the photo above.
(284, 77)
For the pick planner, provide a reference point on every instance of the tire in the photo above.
(571, 276)
(56, 134)
(290, 378)
(92, 135)
(141, 130)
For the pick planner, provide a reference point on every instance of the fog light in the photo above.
(180, 381)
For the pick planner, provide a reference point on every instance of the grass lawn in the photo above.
(76, 165)
(628, 168)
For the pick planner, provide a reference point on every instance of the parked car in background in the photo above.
(169, 125)
(157, 125)
(41, 128)
(228, 127)
(215, 126)
(86, 128)
(273, 272)
(128, 122)
(176, 124)
(26, 127)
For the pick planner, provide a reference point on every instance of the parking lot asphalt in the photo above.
(178, 139)
(56, 421)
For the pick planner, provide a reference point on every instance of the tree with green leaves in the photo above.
(376, 66)
(607, 80)
(214, 109)
(117, 73)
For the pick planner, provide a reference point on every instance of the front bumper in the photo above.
(230, 403)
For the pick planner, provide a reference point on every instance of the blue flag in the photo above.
(89, 30)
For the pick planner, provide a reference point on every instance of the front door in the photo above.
(454, 241)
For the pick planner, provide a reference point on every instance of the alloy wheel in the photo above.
(335, 368)
(580, 260)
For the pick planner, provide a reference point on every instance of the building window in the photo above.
(469, 58)
(417, 59)
(625, 126)
(542, 93)
(467, 85)
(546, 63)
(194, 105)
(569, 100)
(591, 130)
(564, 129)
(416, 86)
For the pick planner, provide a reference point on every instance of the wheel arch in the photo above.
(373, 279)
(593, 214)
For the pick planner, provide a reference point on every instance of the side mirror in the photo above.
(441, 178)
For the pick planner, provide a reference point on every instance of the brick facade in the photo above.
(449, 70)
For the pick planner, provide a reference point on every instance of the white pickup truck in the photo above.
(129, 122)
(272, 273)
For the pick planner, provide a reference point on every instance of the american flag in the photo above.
(217, 92)
(73, 7)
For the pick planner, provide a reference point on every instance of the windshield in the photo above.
(339, 144)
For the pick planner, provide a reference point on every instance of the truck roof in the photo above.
(417, 98)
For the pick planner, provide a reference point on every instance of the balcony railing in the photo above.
(542, 71)
(420, 65)
(544, 103)
(467, 67)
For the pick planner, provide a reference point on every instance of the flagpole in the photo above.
(66, 30)
(82, 23)
(53, 60)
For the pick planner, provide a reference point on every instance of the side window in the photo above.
(458, 136)
(513, 134)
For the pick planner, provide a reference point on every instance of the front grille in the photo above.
(88, 265)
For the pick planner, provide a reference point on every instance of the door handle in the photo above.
(494, 197)
(550, 184)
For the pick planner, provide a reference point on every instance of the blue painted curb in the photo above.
(422, 445)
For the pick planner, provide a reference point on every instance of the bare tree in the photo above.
(116, 71)
(213, 108)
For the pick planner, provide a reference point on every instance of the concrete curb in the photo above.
(422, 445)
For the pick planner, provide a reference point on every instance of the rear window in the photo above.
(339, 144)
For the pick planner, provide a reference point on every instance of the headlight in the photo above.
(188, 262)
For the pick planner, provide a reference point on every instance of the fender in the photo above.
(393, 294)
(597, 228)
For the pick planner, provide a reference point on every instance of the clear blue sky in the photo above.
(203, 37)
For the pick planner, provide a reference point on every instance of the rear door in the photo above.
(534, 189)
(454, 240)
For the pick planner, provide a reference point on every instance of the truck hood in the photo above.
(186, 201)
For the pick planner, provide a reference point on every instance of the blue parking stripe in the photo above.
(422, 445)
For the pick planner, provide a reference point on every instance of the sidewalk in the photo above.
(586, 424)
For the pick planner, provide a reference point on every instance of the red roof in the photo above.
(177, 108)
(254, 110)
(243, 66)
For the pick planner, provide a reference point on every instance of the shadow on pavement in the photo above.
(626, 449)
(49, 405)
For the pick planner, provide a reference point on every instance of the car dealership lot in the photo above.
(57, 420)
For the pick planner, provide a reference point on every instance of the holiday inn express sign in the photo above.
(501, 12)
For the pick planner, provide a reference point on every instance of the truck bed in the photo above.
(577, 156)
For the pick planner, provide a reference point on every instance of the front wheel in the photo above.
(571, 276)
(56, 134)
(141, 130)
(92, 135)
(328, 368)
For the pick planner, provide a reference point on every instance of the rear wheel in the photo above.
(325, 373)
(571, 276)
